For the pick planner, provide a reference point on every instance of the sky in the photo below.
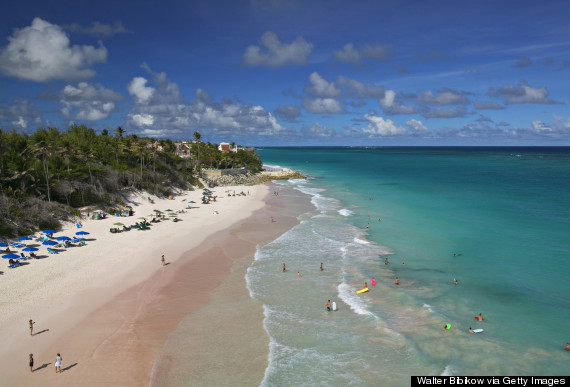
(277, 72)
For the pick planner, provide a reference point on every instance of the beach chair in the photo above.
(15, 264)
(51, 251)
(23, 256)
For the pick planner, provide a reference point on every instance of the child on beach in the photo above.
(31, 327)
(58, 364)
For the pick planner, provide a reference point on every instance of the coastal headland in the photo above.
(115, 313)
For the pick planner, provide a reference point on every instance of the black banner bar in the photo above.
(526, 381)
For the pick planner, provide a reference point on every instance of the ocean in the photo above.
(497, 220)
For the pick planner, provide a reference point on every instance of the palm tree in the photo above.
(119, 132)
(197, 137)
(43, 149)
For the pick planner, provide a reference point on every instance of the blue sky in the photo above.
(275, 72)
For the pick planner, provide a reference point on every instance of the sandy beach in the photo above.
(109, 307)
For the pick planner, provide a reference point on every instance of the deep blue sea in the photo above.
(504, 211)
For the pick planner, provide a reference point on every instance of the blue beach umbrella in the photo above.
(3, 244)
(17, 245)
(49, 231)
(81, 233)
(30, 248)
(24, 238)
(63, 238)
(49, 243)
(13, 256)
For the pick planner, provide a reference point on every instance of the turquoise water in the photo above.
(504, 210)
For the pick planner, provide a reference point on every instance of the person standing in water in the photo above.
(447, 327)
(386, 261)
(480, 317)
(328, 305)
(365, 285)
(397, 281)
(456, 283)
(283, 268)
(470, 330)
(322, 267)
(299, 274)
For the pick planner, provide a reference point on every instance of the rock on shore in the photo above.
(253, 178)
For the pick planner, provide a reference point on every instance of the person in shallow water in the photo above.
(480, 317)
(328, 305)
(283, 268)
(446, 327)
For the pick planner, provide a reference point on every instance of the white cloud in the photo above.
(42, 52)
(321, 88)
(362, 90)
(522, 93)
(138, 88)
(443, 97)
(164, 109)
(417, 126)
(322, 105)
(20, 114)
(88, 102)
(356, 56)
(276, 53)
(379, 126)
(391, 105)
(318, 130)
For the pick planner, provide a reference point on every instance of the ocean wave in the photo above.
(361, 241)
(345, 212)
(447, 371)
(354, 301)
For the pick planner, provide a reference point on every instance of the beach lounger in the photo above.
(23, 256)
(15, 264)
(51, 251)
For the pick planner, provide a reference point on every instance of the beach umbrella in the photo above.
(17, 245)
(49, 243)
(63, 238)
(49, 231)
(3, 244)
(12, 256)
(191, 201)
(24, 238)
(168, 210)
(118, 224)
(30, 248)
(81, 233)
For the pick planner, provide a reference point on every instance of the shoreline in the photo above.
(224, 343)
(106, 325)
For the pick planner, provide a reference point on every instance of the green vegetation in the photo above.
(46, 175)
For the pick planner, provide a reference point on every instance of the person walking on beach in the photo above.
(163, 260)
(328, 305)
(31, 327)
(283, 268)
(58, 363)
(31, 362)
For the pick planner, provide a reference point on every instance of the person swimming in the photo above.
(470, 330)
(397, 281)
(567, 347)
(456, 283)
(446, 327)
(480, 317)
(365, 285)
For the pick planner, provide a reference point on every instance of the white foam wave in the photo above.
(345, 212)
(448, 371)
(428, 307)
(355, 302)
(361, 241)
